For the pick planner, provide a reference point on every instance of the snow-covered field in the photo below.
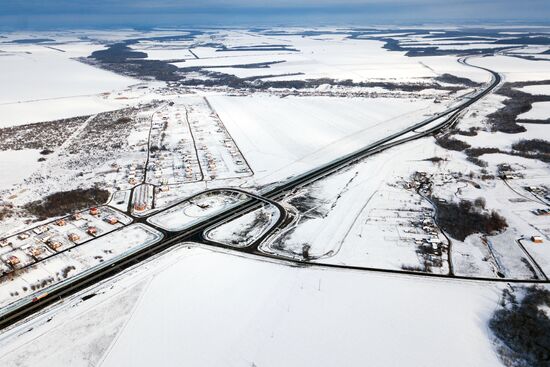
(244, 230)
(317, 317)
(359, 218)
(19, 163)
(543, 89)
(514, 69)
(37, 73)
(540, 111)
(332, 58)
(19, 113)
(300, 133)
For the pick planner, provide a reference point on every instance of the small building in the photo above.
(140, 206)
(40, 230)
(92, 231)
(94, 211)
(56, 245)
(112, 220)
(13, 260)
(23, 236)
(36, 251)
(77, 216)
(536, 239)
(73, 237)
(61, 222)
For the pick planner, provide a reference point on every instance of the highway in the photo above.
(271, 194)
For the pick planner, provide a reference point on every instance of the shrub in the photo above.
(518, 102)
(480, 203)
(5, 212)
(452, 144)
(470, 132)
(124, 120)
(435, 159)
(65, 202)
(453, 79)
(477, 161)
(525, 328)
(462, 219)
(412, 268)
(476, 152)
(533, 145)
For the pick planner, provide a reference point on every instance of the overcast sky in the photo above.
(111, 13)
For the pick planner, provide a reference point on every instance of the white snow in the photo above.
(19, 113)
(543, 89)
(449, 65)
(486, 139)
(283, 136)
(16, 165)
(366, 218)
(515, 69)
(539, 111)
(336, 58)
(242, 231)
(36, 72)
(264, 314)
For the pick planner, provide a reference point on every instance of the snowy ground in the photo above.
(540, 111)
(244, 230)
(37, 72)
(515, 69)
(300, 133)
(198, 207)
(317, 317)
(543, 89)
(20, 164)
(19, 113)
(360, 219)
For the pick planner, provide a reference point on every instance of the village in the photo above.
(27, 248)
(188, 144)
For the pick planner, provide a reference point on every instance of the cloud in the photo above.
(67, 13)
